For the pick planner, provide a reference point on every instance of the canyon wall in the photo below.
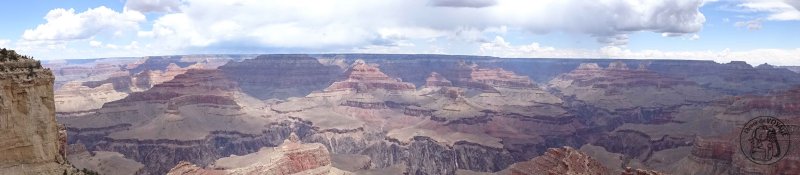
(29, 135)
(431, 114)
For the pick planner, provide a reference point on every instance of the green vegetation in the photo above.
(8, 55)
(11, 55)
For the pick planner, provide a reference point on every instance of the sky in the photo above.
(755, 31)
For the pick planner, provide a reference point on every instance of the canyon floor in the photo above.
(419, 114)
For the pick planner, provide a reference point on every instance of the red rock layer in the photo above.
(619, 75)
(292, 157)
(436, 80)
(299, 157)
(193, 82)
(485, 79)
(564, 160)
(712, 150)
(499, 77)
(783, 103)
(364, 77)
(148, 78)
(726, 150)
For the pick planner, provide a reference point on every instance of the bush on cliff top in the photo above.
(11, 55)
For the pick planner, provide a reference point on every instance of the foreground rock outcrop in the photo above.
(29, 135)
(565, 160)
(291, 157)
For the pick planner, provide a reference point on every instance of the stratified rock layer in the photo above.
(281, 76)
(479, 114)
(640, 94)
(364, 77)
(499, 77)
(436, 80)
(291, 157)
(85, 87)
(29, 135)
(564, 160)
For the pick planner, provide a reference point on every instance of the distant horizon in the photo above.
(755, 31)
(255, 54)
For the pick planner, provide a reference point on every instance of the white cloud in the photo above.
(463, 3)
(4, 43)
(65, 24)
(794, 3)
(755, 56)
(750, 25)
(781, 10)
(500, 48)
(153, 5)
(694, 37)
(308, 24)
(94, 43)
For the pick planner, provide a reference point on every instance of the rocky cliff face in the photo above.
(792, 68)
(185, 115)
(29, 135)
(782, 104)
(722, 154)
(90, 85)
(639, 94)
(565, 160)
(436, 80)
(291, 157)
(363, 77)
(281, 76)
(735, 78)
(499, 77)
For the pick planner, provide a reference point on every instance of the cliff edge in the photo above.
(29, 135)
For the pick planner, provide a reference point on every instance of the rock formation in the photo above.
(82, 90)
(364, 77)
(565, 160)
(498, 77)
(782, 104)
(291, 157)
(723, 155)
(436, 80)
(795, 69)
(618, 88)
(734, 78)
(485, 79)
(473, 115)
(193, 107)
(29, 135)
(102, 162)
(281, 76)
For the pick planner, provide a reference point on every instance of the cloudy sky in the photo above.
(756, 31)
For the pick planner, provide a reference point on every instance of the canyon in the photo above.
(415, 114)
